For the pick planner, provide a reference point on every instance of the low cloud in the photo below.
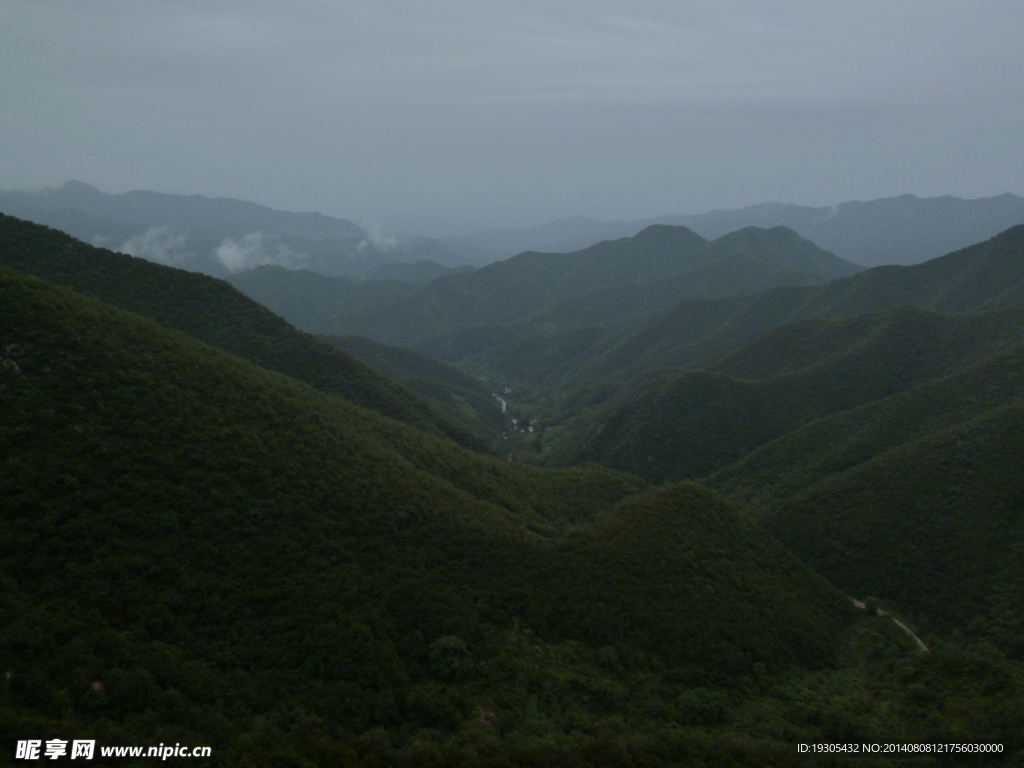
(158, 244)
(254, 250)
(376, 238)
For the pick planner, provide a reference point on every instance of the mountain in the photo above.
(201, 551)
(463, 399)
(212, 311)
(197, 550)
(881, 447)
(306, 298)
(690, 424)
(986, 275)
(143, 208)
(913, 498)
(217, 236)
(896, 230)
(635, 275)
(420, 272)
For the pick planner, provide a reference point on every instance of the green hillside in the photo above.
(197, 550)
(882, 449)
(212, 311)
(846, 439)
(463, 399)
(218, 545)
(935, 524)
(915, 498)
(692, 423)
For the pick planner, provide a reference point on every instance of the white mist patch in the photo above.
(254, 250)
(376, 238)
(158, 244)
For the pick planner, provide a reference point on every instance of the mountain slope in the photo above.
(213, 311)
(928, 514)
(914, 497)
(690, 424)
(463, 400)
(935, 524)
(306, 298)
(195, 549)
(845, 439)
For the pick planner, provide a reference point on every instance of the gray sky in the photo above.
(453, 114)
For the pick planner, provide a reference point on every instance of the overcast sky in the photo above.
(450, 114)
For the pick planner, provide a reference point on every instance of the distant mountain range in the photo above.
(988, 275)
(222, 236)
(893, 230)
(610, 282)
(219, 236)
(185, 212)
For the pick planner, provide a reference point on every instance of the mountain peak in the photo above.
(668, 235)
(78, 187)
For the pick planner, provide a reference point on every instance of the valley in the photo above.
(610, 506)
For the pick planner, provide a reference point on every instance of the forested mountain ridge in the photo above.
(214, 312)
(884, 449)
(915, 498)
(239, 559)
(983, 276)
(688, 424)
(507, 291)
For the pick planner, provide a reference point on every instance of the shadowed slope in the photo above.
(690, 424)
(935, 523)
(463, 399)
(219, 544)
(212, 311)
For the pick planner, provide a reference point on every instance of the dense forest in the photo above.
(688, 549)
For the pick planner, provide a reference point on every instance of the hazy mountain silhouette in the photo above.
(631, 276)
(218, 236)
(895, 230)
(987, 275)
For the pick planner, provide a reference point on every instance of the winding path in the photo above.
(878, 611)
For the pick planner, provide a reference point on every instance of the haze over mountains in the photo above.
(895, 230)
(222, 236)
(613, 281)
(218, 236)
